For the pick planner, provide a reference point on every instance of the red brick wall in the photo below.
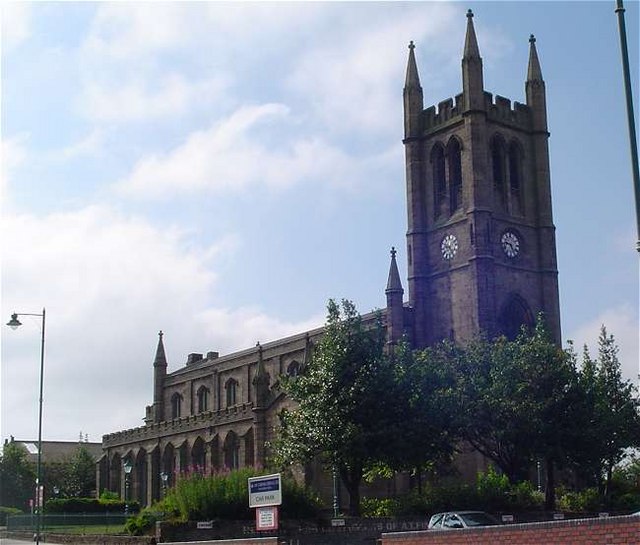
(605, 531)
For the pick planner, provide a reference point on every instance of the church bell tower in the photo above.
(480, 241)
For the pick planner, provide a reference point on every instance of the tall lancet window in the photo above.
(439, 181)
(499, 168)
(455, 174)
(176, 405)
(515, 179)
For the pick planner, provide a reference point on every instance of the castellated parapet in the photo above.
(498, 109)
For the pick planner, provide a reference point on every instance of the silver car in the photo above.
(461, 519)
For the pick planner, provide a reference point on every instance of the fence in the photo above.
(75, 523)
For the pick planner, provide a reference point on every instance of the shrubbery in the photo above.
(88, 505)
(220, 496)
(492, 492)
(8, 511)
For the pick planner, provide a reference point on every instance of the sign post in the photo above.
(265, 494)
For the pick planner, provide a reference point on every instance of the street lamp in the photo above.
(14, 323)
(127, 466)
(165, 477)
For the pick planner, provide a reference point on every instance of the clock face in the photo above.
(510, 244)
(449, 246)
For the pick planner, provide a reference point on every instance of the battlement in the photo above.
(192, 422)
(498, 108)
(446, 111)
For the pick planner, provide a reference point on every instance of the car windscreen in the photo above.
(478, 519)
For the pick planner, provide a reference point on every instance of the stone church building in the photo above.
(481, 256)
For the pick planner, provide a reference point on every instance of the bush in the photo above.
(145, 521)
(88, 505)
(8, 511)
(587, 500)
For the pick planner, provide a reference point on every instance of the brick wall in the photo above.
(248, 541)
(602, 531)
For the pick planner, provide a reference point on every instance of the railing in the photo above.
(71, 523)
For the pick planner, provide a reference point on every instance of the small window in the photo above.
(203, 399)
(293, 369)
(232, 392)
(176, 405)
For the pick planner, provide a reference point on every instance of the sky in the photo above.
(218, 171)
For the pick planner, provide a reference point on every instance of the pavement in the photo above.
(8, 541)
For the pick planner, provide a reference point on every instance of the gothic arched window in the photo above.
(203, 399)
(232, 392)
(515, 314)
(498, 168)
(455, 174)
(293, 369)
(176, 405)
(515, 178)
(231, 451)
(439, 181)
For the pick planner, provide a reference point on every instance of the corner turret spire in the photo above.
(393, 283)
(471, 50)
(395, 308)
(472, 79)
(535, 89)
(534, 73)
(161, 358)
(413, 98)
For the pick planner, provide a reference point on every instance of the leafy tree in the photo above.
(345, 399)
(613, 412)
(80, 474)
(17, 477)
(427, 412)
(520, 401)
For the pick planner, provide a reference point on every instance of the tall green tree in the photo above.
(519, 399)
(345, 401)
(427, 416)
(80, 474)
(17, 477)
(613, 411)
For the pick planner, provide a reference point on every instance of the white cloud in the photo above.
(354, 81)
(109, 282)
(135, 100)
(16, 23)
(622, 323)
(232, 155)
(14, 154)
(125, 30)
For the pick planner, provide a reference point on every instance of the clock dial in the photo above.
(510, 244)
(449, 246)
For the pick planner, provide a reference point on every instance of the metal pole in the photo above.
(630, 117)
(39, 487)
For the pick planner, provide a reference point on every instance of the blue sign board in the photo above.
(265, 491)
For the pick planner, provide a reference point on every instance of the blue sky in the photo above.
(219, 170)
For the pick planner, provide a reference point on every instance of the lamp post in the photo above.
(127, 466)
(14, 323)
(165, 477)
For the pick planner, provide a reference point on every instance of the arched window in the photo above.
(498, 168)
(232, 392)
(203, 399)
(515, 314)
(231, 451)
(198, 456)
(293, 369)
(515, 178)
(176, 405)
(455, 174)
(439, 181)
